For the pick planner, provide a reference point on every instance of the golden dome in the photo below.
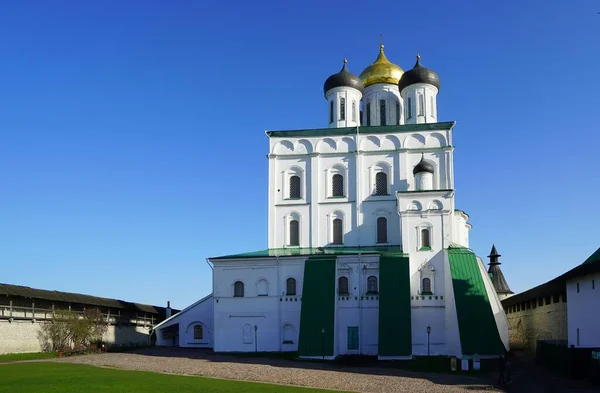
(381, 71)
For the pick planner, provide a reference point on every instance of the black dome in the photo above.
(343, 78)
(419, 74)
(423, 166)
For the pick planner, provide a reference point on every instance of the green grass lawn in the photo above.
(13, 357)
(72, 378)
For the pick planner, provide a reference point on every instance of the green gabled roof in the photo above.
(593, 258)
(476, 322)
(297, 252)
(362, 130)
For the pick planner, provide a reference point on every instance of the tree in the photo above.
(69, 329)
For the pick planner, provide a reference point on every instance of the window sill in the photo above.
(337, 197)
(293, 199)
(427, 293)
(288, 342)
(425, 249)
(292, 246)
(372, 293)
(343, 294)
(263, 295)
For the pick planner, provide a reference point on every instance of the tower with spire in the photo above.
(500, 284)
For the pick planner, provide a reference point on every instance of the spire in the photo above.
(494, 256)
(500, 284)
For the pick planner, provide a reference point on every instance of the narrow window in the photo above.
(382, 114)
(290, 287)
(353, 110)
(331, 111)
(343, 285)
(593, 284)
(295, 186)
(431, 107)
(409, 108)
(577, 287)
(294, 233)
(372, 285)
(337, 231)
(397, 113)
(238, 289)
(425, 240)
(382, 230)
(381, 183)
(368, 113)
(337, 184)
(426, 285)
(198, 332)
(421, 105)
(342, 108)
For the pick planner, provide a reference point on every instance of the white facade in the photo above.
(583, 296)
(192, 327)
(350, 188)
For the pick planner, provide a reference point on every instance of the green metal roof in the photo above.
(443, 126)
(297, 252)
(423, 191)
(477, 325)
(593, 258)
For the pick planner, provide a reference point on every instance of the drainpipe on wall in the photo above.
(361, 273)
(279, 338)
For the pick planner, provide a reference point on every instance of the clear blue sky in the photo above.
(132, 139)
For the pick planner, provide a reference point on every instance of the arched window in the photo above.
(331, 111)
(409, 108)
(425, 238)
(238, 289)
(294, 233)
(337, 184)
(372, 284)
(342, 108)
(198, 333)
(397, 113)
(288, 334)
(421, 105)
(295, 186)
(382, 114)
(382, 230)
(426, 287)
(381, 183)
(353, 110)
(338, 237)
(368, 114)
(262, 287)
(290, 287)
(248, 334)
(343, 286)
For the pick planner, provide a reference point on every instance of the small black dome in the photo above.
(419, 74)
(423, 166)
(343, 78)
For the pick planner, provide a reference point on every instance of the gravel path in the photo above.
(316, 375)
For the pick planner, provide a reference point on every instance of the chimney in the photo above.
(168, 309)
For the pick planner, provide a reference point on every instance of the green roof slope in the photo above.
(318, 307)
(593, 258)
(394, 306)
(477, 325)
(316, 132)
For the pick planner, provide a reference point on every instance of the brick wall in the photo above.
(543, 318)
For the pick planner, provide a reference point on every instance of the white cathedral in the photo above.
(368, 254)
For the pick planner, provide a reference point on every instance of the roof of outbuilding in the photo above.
(68, 297)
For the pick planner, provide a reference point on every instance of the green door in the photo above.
(352, 338)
